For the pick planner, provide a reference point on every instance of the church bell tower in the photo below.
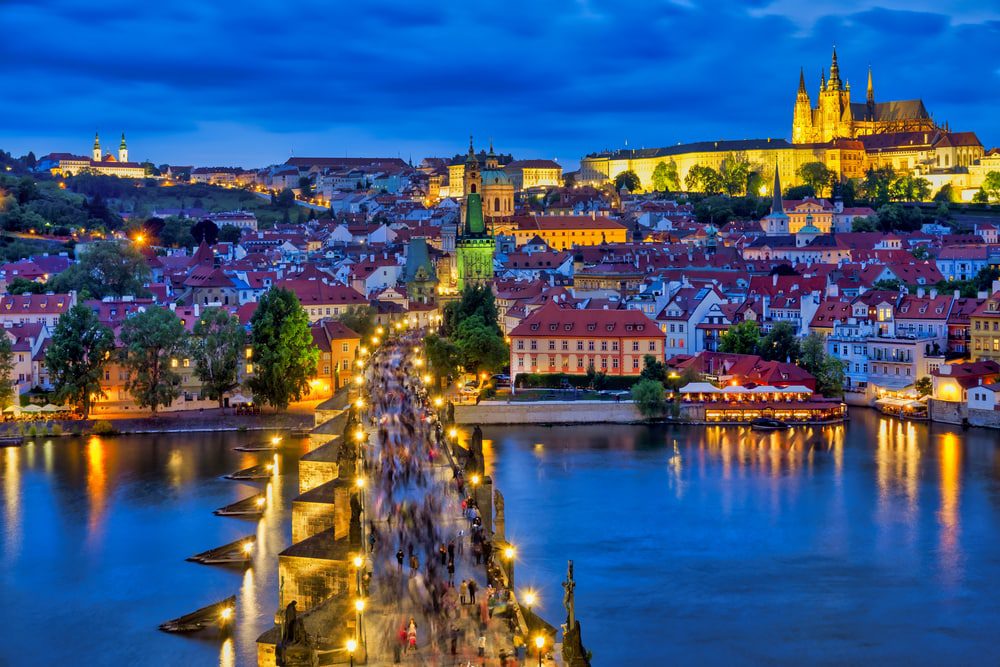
(123, 150)
(96, 155)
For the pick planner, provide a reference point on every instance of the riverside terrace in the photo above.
(740, 404)
(395, 478)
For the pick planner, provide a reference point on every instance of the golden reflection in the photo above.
(29, 453)
(227, 653)
(248, 605)
(12, 501)
(97, 481)
(950, 463)
(489, 456)
(175, 468)
(48, 455)
(897, 461)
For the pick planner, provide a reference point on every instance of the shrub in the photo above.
(648, 397)
(32, 431)
(57, 429)
(103, 427)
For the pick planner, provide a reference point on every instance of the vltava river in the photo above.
(876, 542)
(872, 542)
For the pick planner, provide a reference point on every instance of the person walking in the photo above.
(472, 591)
(463, 591)
(399, 560)
(414, 565)
(451, 572)
(454, 640)
(482, 646)
(443, 554)
(411, 635)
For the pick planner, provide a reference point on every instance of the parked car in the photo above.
(501, 380)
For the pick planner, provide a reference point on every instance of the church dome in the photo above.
(496, 177)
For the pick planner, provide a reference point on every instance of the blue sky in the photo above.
(250, 83)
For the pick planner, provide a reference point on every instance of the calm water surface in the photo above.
(94, 537)
(872, 542)
(877, 542)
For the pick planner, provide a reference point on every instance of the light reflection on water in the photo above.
(873, 541)
(94, 539)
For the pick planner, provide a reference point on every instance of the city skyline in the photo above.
(202, 85)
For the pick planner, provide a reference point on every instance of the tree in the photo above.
(569, 179)
(442, 355)
(665, 176)
(742, 338)
(875, 185)
(703, 179)
(106, 268)
(476, 300)
(359, 319)
(152, 341)
(909, 189)
(864, 223)
(305, 187)
(628, 180)
(800, 192)
(205, 231)
(920, 252)
(648, 398)
(946, 194)
(6, 372)
(717, 210)
(781, 343)
(24, 286)
(480, 346)
(79, 350)
(230, 234)
(733, 174)
(217, 348)
(828, 370)
(817, 175)
(896, 217)
(285, 199)
(285, 358)
(846, 191)
(890, 284)
(991, 186)
(924, 386)
(653, 369)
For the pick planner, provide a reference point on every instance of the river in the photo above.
(875, 541)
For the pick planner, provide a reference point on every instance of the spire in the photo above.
(871, 88)
(472, 151)
(491, 145)
(777, 206)
(822, 79)
(122, 144)
(834, 83)
(97, 141)
(802, 80)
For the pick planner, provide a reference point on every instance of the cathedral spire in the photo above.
(472, 151)
(834, 83)
(822, 79)
(802, 80)
(871, 88)
(776, 204)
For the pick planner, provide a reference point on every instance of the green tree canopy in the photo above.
(828, 370)
(480, 346)
(24, 286)
(476, 300)
(106, 268)
(152, 339)
(800, 192)
(665, 176)
(79, 350)
(817, 175)
(6, 371)
(910, 189)
(230, 234)
(359, 319)
(628, 180)
(284, 356)
(703, 179)
(733, 174)
(741, 338)
(875, 185)
(217, 348)
(648, 397)
(653, 369)
(442, 355)
(991, 186)
(781, 343)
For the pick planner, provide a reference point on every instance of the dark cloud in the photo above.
(550, 78)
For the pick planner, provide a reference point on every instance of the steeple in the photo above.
(123, 150)
(777, 207)
(822, 79)
(802, 81)
(472, 151)
(834, 82)
(96, 154)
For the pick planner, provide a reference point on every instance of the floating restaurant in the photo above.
(739, 404)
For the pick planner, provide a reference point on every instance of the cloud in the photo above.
(548, 77)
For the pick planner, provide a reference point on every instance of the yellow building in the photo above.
(100, 162)
(564, 231)
(528, 174)
(984, 327)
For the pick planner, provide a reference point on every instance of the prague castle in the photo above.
(848, 137)
(836, 116)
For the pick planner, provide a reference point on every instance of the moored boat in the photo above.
(268, 446)
(260, 471)
(767, 424)
(216, 619)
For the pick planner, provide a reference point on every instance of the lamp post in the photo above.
(358, 562)
(359, 606)
(529, 599)
(352, 646)
(540, 644)
(508, 554)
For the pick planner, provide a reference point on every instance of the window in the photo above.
(635, 346)
(249, 368)
(345, 347)
(534, 345)
(590, 346)
(652, 346)
(614, 346)
(579, 346)
(635, 363)
(565, 346)
(604, 346)
(552, 345)
(520, 344)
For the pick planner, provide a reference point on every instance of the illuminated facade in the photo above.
(475, 244)
(99, 162)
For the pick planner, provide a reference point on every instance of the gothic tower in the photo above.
(96, 155)
(123, 150)
(474, 246)
(870, 99)
(802, 117)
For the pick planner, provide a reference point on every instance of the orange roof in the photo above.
(552, 321)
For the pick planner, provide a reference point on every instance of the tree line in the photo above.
(277, 354)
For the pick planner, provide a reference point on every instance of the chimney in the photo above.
(957, 294)
(774, 280)
(934, 292)
(920, 292)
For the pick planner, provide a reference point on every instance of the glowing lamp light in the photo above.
(374, 340)
(360, 482)
(226, 613)
(247, 547)
(358, 561)
(275, 440)
(359, 363)
(539, 642)
(380, 331)
(475, 480)
(427, 378)
(359, 605)
(360, 403)
(508, 553)
(529, 598)
(358, 380)
(453, 433)
(438, 402)
(261, 501)
(352, 646)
